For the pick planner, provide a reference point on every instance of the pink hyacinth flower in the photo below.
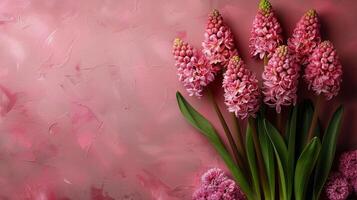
(215, 185)
(266, 32)
(348, 164)
(241, 89)
(218, 45)
(324, 72)
(280, 79)
(337, 187)
(306, 36)
(194, 71)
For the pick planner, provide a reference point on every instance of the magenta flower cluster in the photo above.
(280, 79)
(241, 89)
(340, 184)
(266, 32)
(215, 185)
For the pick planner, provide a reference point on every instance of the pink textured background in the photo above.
(87, 93)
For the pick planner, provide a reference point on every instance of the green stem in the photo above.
(315, 118)
(226, 129)
(240, 139)
(280, 123)
(258, 153)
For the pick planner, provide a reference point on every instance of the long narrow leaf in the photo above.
(327, 153)
(252, 161)
(291, 135)
(306, 110)
(206, 128)
(268, 156)
(281, 153)
(305, 166)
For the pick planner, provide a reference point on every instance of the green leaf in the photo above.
(306, 111)
(252, 161)
(206, 128)
(268, 156)
(327, 153)
(291, 135)
(304, 167)
(281, 153)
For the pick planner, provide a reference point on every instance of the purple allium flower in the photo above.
(306, 36)
(194, 71)
(213, 176)
(218, 44)
(337, 187)
(215, 185)
(266, 32)
(280, 79)
(324, 72)
(348, 164)
(241, 89)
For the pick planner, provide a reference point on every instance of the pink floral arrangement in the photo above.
(282, 149)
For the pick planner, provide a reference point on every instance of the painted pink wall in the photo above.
(88, 92)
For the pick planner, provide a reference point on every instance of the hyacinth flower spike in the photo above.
(195, 72)
(280, 82)
(193, 69)
(241, 93)
(266, 33)
(306, 36)
(323, 75)
(241, 89)
(242, 97)
(280, 79)
(218, 45)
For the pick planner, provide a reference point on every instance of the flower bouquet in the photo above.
(284, 152)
